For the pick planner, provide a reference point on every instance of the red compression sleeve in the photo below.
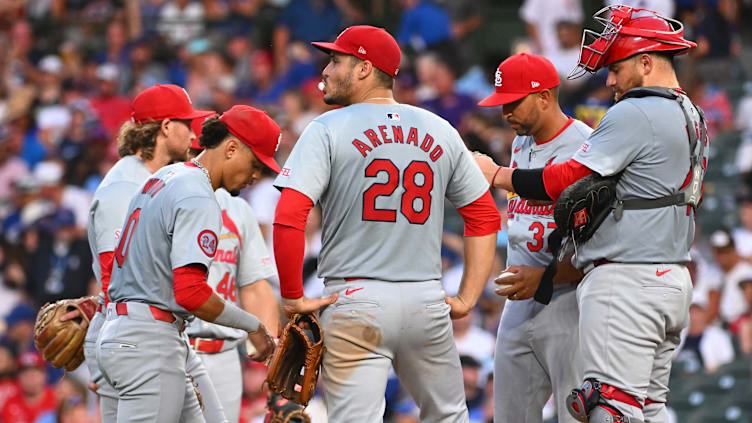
(557, 177)
(289, 240)
(189, 284)
(105, 267)
(481, 217)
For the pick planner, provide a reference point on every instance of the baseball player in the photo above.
(380, 171)
(635, 295)
(238, 274)
(158, 134)
(536, 346)
(166, 244)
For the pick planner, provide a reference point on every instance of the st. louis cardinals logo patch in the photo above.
(207, 242)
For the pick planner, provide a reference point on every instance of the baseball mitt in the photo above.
(294, 369)
(282, 410)
(584, 205)
(62, 343)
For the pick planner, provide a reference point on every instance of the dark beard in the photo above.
(343, 88)
(235, 192)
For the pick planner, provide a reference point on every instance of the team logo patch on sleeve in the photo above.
(207, 242)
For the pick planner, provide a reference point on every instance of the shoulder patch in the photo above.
(207, 242)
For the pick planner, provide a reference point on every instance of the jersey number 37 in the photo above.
(412, 191)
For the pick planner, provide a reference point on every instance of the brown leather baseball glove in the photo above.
(294, 369)
(282, 410)
(62, 343)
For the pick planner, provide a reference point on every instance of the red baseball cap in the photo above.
(256, 130)
(520, 75)
(30, 359)
(367, 43)
(164, 102)
(196, 127)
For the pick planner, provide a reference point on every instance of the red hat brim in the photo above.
(327, 47)
(500, 99)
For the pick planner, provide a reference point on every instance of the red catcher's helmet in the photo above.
(628, 31)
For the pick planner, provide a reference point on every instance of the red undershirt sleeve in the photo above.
(189, 284)
(105, 267)
(481, 217)
(557, 177)
(289, 240)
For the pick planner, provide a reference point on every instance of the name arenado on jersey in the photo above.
(397, 133)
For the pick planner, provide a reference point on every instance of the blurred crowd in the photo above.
(69, 68)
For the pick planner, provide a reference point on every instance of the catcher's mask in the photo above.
(628, 31)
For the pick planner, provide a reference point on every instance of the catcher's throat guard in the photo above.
(294, 369)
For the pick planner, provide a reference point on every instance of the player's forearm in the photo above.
(479, 255)
(216, 310)
(259, 299)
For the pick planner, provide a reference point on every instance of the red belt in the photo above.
(205, 345)
(158, 313)
(601, 262)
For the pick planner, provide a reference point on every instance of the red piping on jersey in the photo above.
(557, 177)
(190, 164)
(190, 287)
(289, 240)
(481, 217)
(105, 267)
(566, 125)
(228, 223)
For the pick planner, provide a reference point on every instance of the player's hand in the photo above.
(487, 166)
(519, 282)
(72, 315)
(459, 307)
(263, 343)
(93, 387)
(305, 305)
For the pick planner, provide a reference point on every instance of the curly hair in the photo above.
(133, 138)
(213, 132)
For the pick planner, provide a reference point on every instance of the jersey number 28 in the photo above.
(412, 192)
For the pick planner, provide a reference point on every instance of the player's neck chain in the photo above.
(379, 98)
(200, 166)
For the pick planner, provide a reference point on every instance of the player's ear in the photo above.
(163, 127)
(365, 69)
(231, 147)
(645, 63)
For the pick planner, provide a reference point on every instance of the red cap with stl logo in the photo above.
(520, 75)
(166, 101)
(367, 43)
(256, 130)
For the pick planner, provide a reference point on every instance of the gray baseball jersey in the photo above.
(647, 139)
(381, 173)
(537, 345)
(242, 259)
(530, 226)
(172, 221)
(109, 206)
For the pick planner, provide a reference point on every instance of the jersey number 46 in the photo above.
(412, 191)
